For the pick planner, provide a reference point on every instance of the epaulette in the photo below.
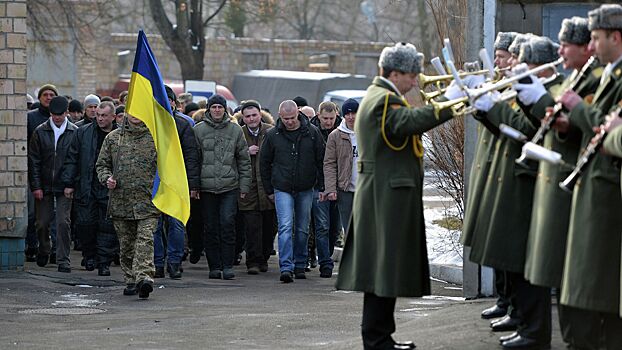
(617, 72)
(597, 72)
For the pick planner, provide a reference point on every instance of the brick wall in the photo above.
(13, 161)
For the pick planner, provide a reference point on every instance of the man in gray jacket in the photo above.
(225, 175)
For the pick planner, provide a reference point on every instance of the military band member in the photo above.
(385, 254)
(591, 279)
(485, 148)
(510, 190)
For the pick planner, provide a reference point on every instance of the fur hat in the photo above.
(402, 57)
(538, 50)
(91, 100)
(217, 100)
(574, 31)
(608, 16)
(59, 105)
(519, 40)
(186, 97)
(249, 103)
(504, 40)
(47, 87)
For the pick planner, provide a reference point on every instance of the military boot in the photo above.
(173, 271)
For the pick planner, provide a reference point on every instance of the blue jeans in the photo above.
(322, 219)
(174, 241)
(290, 207)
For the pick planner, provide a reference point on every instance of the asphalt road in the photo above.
(42, 308)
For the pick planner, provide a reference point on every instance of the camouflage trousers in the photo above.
(136, 248)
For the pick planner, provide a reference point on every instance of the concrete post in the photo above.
(476, 280)
(13, 157)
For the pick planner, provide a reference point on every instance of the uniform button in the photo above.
(499, 179)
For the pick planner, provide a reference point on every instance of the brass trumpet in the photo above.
(426, 80)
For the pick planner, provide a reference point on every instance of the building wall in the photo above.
(13, 161)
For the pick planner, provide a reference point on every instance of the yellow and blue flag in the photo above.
(147, 101)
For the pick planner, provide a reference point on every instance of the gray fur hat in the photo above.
(504, 40)
(608, 16)
(402, 57)
(574, 31)
(538, 50)
(518, 41)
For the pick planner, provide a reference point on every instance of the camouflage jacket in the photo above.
(134, 170)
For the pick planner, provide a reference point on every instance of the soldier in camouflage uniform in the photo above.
(127, 166)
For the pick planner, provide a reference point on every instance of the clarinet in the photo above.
(547, 123)
(587, 156)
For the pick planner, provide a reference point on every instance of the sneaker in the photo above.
(159, 272)
(287, 277)
(300, 274)
(195, 257)
(53, 258)
(64, 268)
(253, 270)
(215, 274)
(228, 274)
(145, 287)
(89, 265)
(130, 289)
(42, 260)
(263, 267)
(326, 272)
(103, 270)
(173, 271)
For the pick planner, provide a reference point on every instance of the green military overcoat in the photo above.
(550, 215)
(613, 143)
(385, 250)
(591, 277)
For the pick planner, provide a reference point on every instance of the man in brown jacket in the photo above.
(256, 209)
(339, 160)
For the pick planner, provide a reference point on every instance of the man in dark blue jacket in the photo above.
(291, 166)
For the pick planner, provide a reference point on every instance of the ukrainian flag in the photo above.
(147, 101)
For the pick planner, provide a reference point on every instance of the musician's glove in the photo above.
(486, 102)
(474, 81)
(454, 91)
(529, 94)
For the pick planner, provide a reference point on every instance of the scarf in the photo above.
(58, 130)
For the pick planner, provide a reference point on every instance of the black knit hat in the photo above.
(47, 87)
(191, 107)
(75, 106)
(300, 101)
(349, 106)
(217, 100)
(170, 93)
(119, 109)
(250, 103)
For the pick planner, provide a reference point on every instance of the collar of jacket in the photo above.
(135, 129)
(226, 119)
(304, 124)
(378, 81)
(317, 123)
(45, 111)
(48, 127)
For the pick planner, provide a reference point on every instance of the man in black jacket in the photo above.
(96, 232)
(35, 118)
(46, 154)
(291, 165)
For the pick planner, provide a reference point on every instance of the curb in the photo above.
(447, 273)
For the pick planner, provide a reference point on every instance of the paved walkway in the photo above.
(251, 312)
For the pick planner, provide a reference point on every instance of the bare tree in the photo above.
(186, 38)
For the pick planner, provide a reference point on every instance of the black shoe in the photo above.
(228, 274)
(253, 270)
(64, 268)
(42, 260)
(505, 324)
(326, 272)
(272, 252)
(238, 260)
(520, 342)
(494, 312)
(53, 258)
(116, 260)
(185, 256)
(103, 270)
(287, 277)
(313, 263)
(507, 337)
(404, 345)
(159, 272)
(77, 246)
(31, 254)
(83, 262)
(173, 271)
(144, 288)
(89, 265)
(195, 257)
(215, 274)
(300, 274)
(263, 268)
(130, 289)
